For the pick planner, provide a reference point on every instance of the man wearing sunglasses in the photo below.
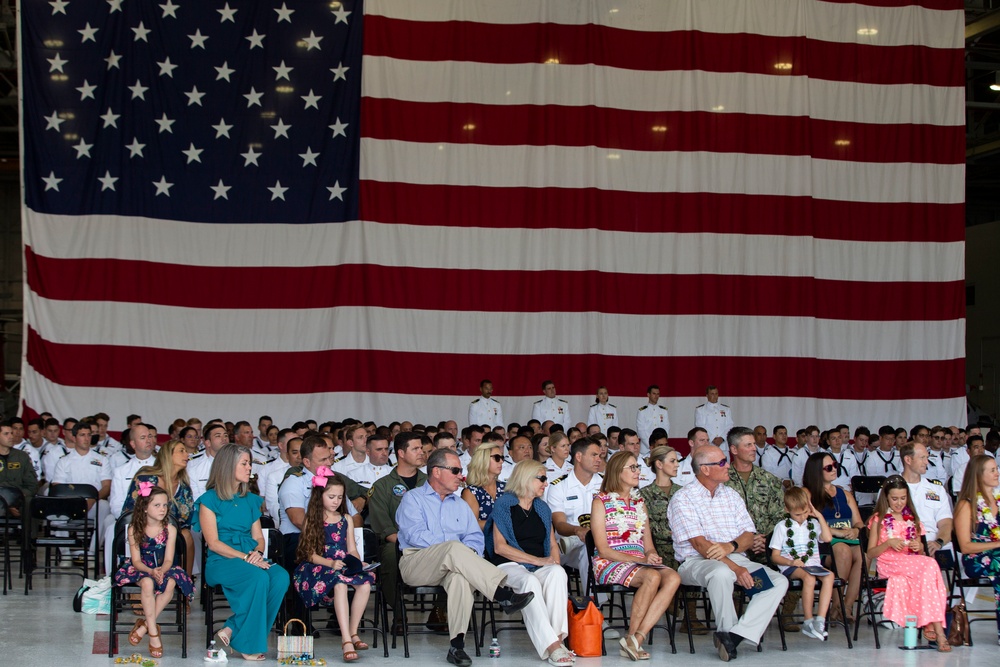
(443, 545)
(938, 456)
(712, 530)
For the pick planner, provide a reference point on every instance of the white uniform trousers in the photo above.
(545, 615)
(719, 580)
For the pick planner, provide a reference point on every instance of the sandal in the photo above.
(155, 651)
(358, 644)
(929, 634)
(224, 636)
(133, 636)
(253, 657)
(944, 647)
(349, 656)
(561, 657)
(626, 650)
(643, 655)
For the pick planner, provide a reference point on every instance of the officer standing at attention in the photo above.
(714, 417)
(651, 416)
(550, 408)
(486, 410)
(603, 413)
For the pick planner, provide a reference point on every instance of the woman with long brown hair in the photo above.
(976, 525)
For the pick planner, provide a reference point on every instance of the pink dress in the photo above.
(915, 585)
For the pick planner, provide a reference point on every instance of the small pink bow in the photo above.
(145, 488)
(323, 474)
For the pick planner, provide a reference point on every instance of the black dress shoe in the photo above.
(438, 621)
(517, 602)
(727, 647)
(458, 656)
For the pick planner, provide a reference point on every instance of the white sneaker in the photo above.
(820, 627)
(609, 633)
(809, 630)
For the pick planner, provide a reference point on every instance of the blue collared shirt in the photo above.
(424, 519)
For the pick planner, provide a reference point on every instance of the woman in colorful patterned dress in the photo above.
(482, 484)
(151, 541)
(915, 587)
(624, 553)
(976, 523)
(327, 538)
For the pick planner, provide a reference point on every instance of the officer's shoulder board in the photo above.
(197, 456)
(538, 401)
(611, 405)
(64, 454)
(644, 407)
(723, 405)
(340, 458)
(562, 401)
(559, 479)
(936, 481)
(593, 405)
(700, 406)
(475, 401)
(661, 407)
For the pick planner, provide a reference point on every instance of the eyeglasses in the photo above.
(722, 464)
(830, 468)
(454, 470)
(634, 467)
(543, 479)
(496, 457)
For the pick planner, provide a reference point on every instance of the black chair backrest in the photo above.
(11, 496)
(73, 491)
(370, 545)
(70, 507)
(867, 484)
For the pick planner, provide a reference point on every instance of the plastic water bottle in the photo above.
(495, 648)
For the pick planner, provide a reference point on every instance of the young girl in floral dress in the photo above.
(915, 587)
(151, 541)
(327, 537)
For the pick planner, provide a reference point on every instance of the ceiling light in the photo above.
(718, 107)
(842, 142)
(659, 128)
(552, 61)
(783, 66)
(868, 32)
(469, 126)
(614, 156)
(996, 83)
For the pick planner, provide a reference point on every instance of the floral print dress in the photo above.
(315, 582)
(152, 550)
(624, 522)
(987, 563)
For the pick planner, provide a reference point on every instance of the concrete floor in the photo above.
(42, 629)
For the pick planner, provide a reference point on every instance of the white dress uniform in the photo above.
(507, 469)
(35, 454)
(485, 412)
(573, 498)
(370, 473)
(685, 475)
(646, 474)
(604, 416)
(262, 450)
(938, 466)
(843, 476)
(717, 419)
(932, 503)
(553, 472)
(959, 462)
(270, 478)
(349, 467)
(650, 417)
(856, 465)
(778, 461)
(799, 462)
(198, 469)
(53, 453)
(554, 409)
(109, 446)
(884, 463)
(90, 468)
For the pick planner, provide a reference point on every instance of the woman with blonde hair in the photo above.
(521, 542)
(229, 520)
(624, 553)
(169, 472)
(559, 463)
(482, 484)
(976, 525)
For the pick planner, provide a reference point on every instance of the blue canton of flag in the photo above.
(192, 110)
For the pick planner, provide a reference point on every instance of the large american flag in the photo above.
(323, 209)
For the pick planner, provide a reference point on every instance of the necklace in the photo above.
(527, 512)
(910, 530)
(988, 518)
(836, 506)
(810, 547)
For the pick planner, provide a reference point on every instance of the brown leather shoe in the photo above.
(438, 621)
(787, 610)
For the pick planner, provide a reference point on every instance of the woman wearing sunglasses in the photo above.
(483, 487)
(624, 553)
(841, 512)
(521, 542)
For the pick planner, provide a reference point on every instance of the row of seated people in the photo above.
(174, 458)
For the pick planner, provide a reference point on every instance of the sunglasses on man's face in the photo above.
(496, 457)
(452, 470)
(722, 464)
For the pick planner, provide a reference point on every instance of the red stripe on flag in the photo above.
(466, 41)
(535, 125)
(660, 212)
(452, 374)
(943, 5)
(511, 291)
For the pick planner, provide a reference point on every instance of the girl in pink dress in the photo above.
(915, 586)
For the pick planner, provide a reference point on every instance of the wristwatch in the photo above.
(736, 546)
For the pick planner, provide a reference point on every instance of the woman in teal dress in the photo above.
(976, 524)
(229, 519)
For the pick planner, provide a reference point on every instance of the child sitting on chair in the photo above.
(795, 545)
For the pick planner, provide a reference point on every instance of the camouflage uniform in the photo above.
(656, 508)
(765, 500)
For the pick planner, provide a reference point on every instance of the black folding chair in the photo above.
(56, 523)
(11, 497)
(839, 586)
(960, 580)
(120, 596)
(89, 492)
(867, 606)
(870, 484)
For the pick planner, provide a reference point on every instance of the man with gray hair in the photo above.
(712, 530)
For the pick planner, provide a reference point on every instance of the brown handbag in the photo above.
(958, 633)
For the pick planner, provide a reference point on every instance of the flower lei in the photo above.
(640, 509)
(811, 549)
(988, 517)
(911, 530)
